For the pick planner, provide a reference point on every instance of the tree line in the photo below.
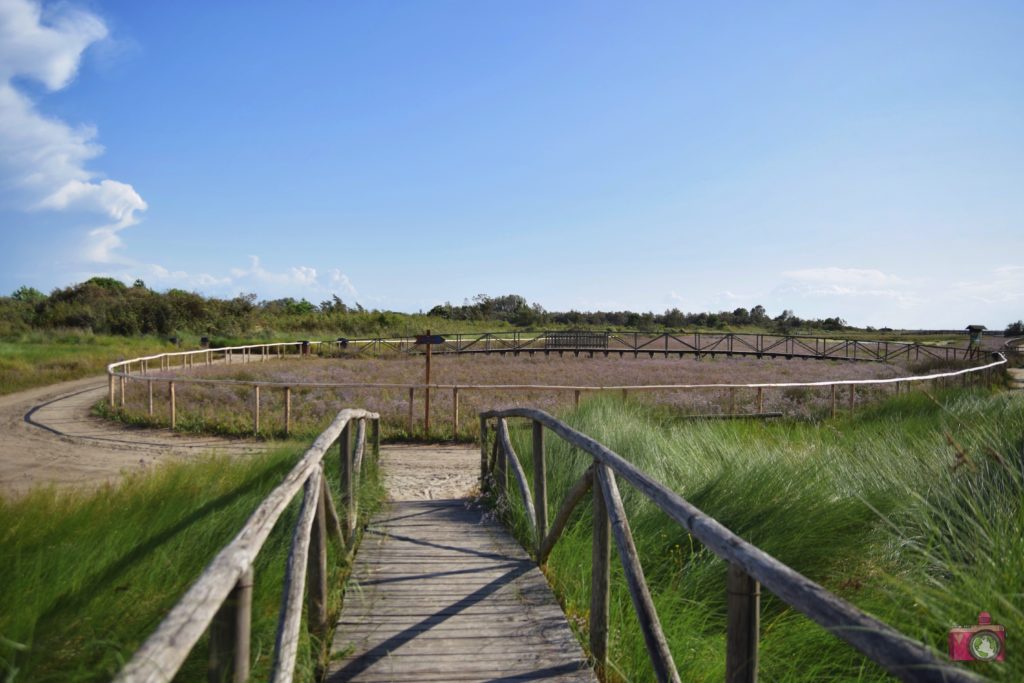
(108, 306)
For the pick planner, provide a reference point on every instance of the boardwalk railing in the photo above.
(143, 370)
(220, 600)
(750, 568)
(697, 344)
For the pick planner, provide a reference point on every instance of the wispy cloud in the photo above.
(847, 282)
(43, 159)
(1004, 284)
(301, 276)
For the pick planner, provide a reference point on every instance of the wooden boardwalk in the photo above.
(442, 593)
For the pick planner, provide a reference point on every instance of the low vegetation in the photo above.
(228, 409)
(87, 576)
(912, 510)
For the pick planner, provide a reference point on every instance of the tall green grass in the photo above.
(87, 577)
(913, 510)
(39, 358)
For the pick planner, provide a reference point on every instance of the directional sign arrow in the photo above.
(429, 339)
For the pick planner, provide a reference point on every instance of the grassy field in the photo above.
(912, 510)
(227, 409)
(38, 359)
(87, 576)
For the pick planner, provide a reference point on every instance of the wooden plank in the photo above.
(466, 603)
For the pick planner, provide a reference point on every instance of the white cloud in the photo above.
(847, 282)
(42, 160)
(339, 282)
(302, 276)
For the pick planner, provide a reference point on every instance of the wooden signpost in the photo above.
(427, 340)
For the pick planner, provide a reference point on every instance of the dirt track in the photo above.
(47, 436)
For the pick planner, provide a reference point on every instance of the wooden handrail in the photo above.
(163, 653)
(895, 652)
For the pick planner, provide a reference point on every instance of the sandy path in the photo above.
(431, 471)
(47, 436)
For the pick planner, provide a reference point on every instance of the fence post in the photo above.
(744, 619)
(110, 389)
(123, 384)
(760, 400)
(256, 410)
(229, 634)
(149, 390)
(600, 595)
(348, 482)
(540, 485)
(455, 412)
(316, 569)
(174, 407)
(483, 453)
(375, 435)
(287, 410)
(576, 398)
(412, 395)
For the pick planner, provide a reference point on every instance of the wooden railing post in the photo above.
(455, 412)
(110, 389)
(256, 410)
(540, 485)
(316, 570)
(484, 461)
(149, 391)
(348, 480)
(760, 400)
(576, 399)
(287, 411)
(600, 586)
(229, 635)
(744, 609)
(123, 384)
(412, 395)
(174, 405)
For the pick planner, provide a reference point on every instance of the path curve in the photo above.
(48, 436)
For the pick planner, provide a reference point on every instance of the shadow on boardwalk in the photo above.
(442, 593)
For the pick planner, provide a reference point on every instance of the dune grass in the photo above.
(88, 576)
(912, 510)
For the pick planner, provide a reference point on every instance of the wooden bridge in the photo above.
(441, 592)
(697, 344)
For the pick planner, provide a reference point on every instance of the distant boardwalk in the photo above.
(441, 593)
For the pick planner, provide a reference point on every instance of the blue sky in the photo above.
(860, 159)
